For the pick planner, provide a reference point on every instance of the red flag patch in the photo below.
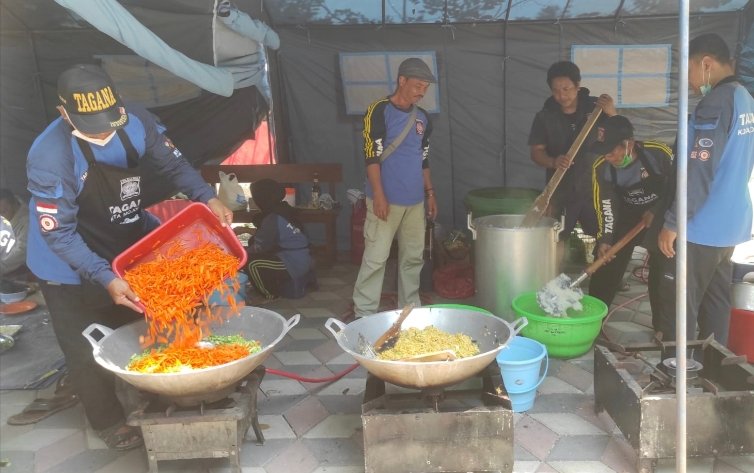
(47, 208)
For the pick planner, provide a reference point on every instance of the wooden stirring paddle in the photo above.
(441, 355)
(394, 329)
(540, 205)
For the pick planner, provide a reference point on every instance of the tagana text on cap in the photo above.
(416, 68)
(610, 133)
(87, 94)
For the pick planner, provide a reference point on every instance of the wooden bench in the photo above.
(329, 174)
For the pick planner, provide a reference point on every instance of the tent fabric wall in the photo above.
(21, 112)
(492, 80)
(207, 127)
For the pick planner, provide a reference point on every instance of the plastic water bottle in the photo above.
(316, 191)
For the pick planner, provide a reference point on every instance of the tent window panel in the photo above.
(635, 76)
(602, 85)
(370, 76)
(358, 97)
(364, 68)
(644, 92)
(645, 60)
(597, 60)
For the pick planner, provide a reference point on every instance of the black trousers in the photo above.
(709, 272)
(267, 273)
(72, 308)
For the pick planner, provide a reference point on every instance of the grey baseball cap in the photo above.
(416, 68)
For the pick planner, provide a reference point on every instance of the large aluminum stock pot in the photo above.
(490, 333)
(114, 350)
(510, 260)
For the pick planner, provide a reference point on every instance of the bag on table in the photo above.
(231, 193)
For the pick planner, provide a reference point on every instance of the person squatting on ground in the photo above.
(720, 162)
(13, 263)
(84, 174)
(630, 180)
(279, 250)
(553, 131)
(396, 148)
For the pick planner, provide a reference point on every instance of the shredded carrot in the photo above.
(174, 287)
(174, 359)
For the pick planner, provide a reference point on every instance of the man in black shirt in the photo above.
(553, 131)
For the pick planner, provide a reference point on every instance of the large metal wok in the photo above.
(114, 350)
(490, 333)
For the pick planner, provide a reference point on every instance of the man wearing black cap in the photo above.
(630, 180)
(279, 251)
(396, 148)
(84, 175)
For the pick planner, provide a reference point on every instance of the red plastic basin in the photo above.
(195, 225)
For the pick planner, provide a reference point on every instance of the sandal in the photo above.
(42, 408)
(121, 437)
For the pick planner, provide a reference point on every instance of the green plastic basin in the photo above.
(499, 201)
(564, 337)
(462, 307)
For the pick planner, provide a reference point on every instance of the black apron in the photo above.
(110, 217)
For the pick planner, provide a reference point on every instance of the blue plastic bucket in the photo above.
(520, 364)
(220, 296)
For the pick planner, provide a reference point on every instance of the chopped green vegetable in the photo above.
(253, 345)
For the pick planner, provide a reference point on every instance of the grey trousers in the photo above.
(708, 277)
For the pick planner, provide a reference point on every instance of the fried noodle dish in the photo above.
(414, 341)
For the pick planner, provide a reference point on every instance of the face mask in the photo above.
(705, 89)
(78, 134)
(625, 161)
(94, 141)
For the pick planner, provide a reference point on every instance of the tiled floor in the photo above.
(316, 428)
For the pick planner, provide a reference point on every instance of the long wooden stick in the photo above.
(614, 249)
(539, 207)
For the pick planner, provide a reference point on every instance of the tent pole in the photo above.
(504, 152)
(681, 242)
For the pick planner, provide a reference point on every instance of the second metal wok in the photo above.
(490, 333)
(114, 350)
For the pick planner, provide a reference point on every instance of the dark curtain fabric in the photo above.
(745, 61)
(206, 128)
